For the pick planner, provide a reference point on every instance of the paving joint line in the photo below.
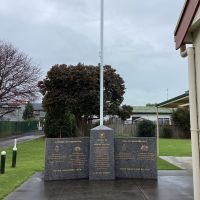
(143, 192)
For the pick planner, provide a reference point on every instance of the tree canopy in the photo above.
(75, 89)
(18, 77)
(125, 112)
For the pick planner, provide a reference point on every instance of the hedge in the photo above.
(10, 128)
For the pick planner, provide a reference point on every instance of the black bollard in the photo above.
(14, 157)
(3, 161)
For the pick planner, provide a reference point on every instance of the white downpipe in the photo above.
(101, 63)
(183, 51)
(158, 134)
(193, 119)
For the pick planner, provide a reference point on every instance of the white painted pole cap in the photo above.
(3, 153)
(15, 149)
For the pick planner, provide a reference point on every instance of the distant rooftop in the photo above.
(136, 109)
(150, 110)
(37, 106)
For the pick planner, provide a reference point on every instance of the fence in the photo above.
(9, 128)
(172, 131)
(131, 130)
(124, 130)
(121, 129)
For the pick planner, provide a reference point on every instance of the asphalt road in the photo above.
(6, 142)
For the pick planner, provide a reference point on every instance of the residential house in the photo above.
(150, 113)
(16, 112)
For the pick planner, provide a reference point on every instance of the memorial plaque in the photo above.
(136, 158)
(66, 158)
(101, 165)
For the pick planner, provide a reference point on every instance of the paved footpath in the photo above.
(6, 142)
(171, 185)
(181, 162)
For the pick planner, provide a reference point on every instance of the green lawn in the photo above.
(175, 147)
(31, 159)
(164, 165)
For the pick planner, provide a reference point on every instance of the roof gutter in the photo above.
(187, 15)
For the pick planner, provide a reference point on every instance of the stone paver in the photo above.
(171, 185)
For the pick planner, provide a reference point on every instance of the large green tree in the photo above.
(75, 89)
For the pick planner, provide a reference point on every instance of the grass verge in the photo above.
(175, 147)
(164, 165)
(30, 159)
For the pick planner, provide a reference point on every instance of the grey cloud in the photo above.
(138, 40)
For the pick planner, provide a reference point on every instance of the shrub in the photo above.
(181, 118)
(146, 128)
(62, 126)
(167, 132)
(10, 128)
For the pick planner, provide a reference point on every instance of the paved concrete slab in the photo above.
(181, 162)
(171, 185)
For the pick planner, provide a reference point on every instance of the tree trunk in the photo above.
(81, 125)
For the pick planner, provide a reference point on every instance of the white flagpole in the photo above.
(101, 63)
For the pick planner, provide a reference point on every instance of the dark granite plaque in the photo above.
(66, 158)
(101, 165)
(136, 158)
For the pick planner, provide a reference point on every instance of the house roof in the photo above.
(188, 13)
(10, 105)
(136, 109)
(181, 100)
(37, 106)
(150, 110)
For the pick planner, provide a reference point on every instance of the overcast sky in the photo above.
(139, 40)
